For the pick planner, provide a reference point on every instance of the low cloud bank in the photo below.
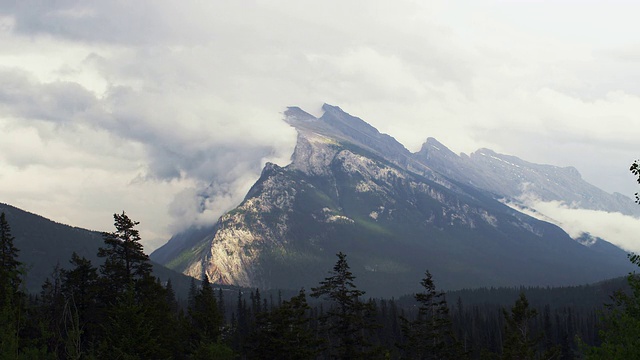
(616, 228)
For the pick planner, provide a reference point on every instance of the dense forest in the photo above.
(119, 310)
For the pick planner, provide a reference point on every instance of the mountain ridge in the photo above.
(392, 212)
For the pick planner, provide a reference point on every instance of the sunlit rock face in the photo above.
(395, 214)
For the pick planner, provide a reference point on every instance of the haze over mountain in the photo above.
(350, 188)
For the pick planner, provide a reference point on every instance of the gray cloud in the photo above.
(182, 101)
(59, 101)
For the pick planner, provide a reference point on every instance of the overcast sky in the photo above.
(169, 109)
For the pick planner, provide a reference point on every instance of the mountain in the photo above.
(509, 177)
(395, 214)
(43, 244)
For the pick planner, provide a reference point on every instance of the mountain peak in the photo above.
(353, 189)
(328, 107)
(434, 145)
(294, 113)
(337, 126)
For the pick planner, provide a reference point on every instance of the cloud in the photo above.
(616, 228)
(182, 101)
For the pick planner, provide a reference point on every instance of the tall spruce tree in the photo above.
(125, 263)
(12, 298)
(621, 333)
(131, 296)
(11, 271)
(519, 343)
(205, 316)
(284, 333)
(80, 287)
(348, 321)
(430, 335)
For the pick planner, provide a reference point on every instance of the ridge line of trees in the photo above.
(120, 311)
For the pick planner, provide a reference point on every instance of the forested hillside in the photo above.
(120, 310)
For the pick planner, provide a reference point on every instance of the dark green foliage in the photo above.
(635, 170)
(519, 343)
(135, 313)
(205, 316)
(73, 319)
(80, 290)
(128, 330)
(348, 321)
(10, 268)
(209, 351)
(285, 332)
(12, 299)
(621, 333)
(430, 335)
(125, 263)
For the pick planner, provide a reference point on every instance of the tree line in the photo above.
(119, 310)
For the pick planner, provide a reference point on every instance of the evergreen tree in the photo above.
(205, 315)
(346, 321)
(11, 271)
(519, 343)
(621, 333)
(12, 299)
(80, 290)
(191, 296)
(221, 307)
(130, 294)
(171, 298)
(50, 314)
(430, 335)
(125, 262)
(284, 333)
(129, 331)
(240, 324)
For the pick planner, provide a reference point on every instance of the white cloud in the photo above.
(180, 102)
(616, 228)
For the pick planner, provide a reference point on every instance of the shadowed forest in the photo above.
(118, 310)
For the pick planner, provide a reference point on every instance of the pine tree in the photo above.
(50, 314)
(80, 288)
(621, 333)
(129, 331)
(430, 335)
(284, 333)
(125, 262)
(347, 320)
(12, 298)
(11, 271)
(519, 343)
(129, 293)
(205, 315)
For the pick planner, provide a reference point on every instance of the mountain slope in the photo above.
(512, 178)
(44, 244)
(351, 189)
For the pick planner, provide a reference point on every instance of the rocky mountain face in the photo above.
(395, 214)
(511, 178)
